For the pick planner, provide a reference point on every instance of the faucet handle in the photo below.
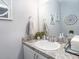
(49, 38)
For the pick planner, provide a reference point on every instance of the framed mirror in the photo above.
(5, 9)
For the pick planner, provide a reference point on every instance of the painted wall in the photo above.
(69, 7)
(11, 32)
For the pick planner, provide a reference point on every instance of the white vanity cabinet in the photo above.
(30, 54)
(40, 57)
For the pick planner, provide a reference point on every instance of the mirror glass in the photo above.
(61, 16)
(49, 12)
(3, 9)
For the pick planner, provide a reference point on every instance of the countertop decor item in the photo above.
(71, 33)
(69, 50)
(75, 43)
(39, 34)
(61, 35)
(70, 20)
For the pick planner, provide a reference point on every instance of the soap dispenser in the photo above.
(61, 37)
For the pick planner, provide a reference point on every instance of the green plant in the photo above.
(71, 31)
(40, 34)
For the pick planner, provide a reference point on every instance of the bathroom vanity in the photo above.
(33, 52)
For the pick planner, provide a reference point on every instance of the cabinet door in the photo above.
(40, 56)
(28, 53)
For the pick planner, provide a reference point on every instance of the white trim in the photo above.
(5, 18)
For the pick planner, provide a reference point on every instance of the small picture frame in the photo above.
(6, 10)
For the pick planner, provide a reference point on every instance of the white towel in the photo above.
(29, 27)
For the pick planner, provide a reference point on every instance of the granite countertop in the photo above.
(54, 54)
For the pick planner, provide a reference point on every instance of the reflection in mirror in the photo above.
(3, 9)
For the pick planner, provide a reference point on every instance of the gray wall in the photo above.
(69, 7)
(12, 32)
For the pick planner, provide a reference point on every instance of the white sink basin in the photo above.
(46, 45)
